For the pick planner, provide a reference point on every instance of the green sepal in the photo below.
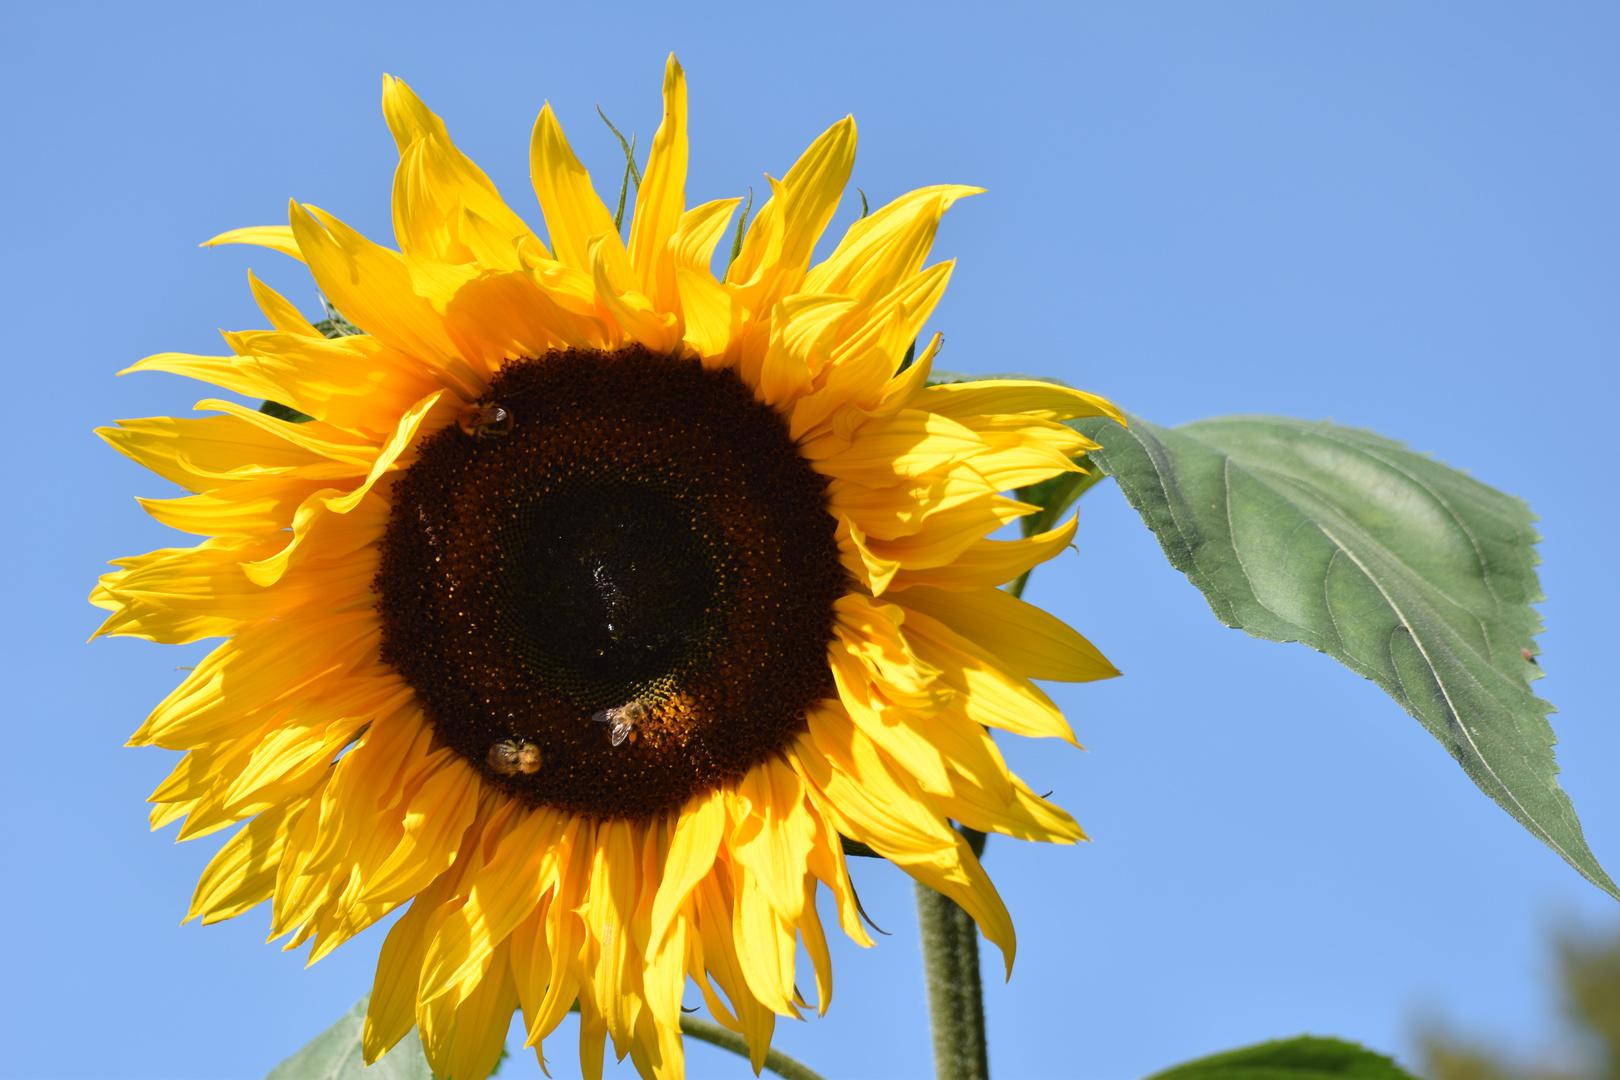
(631, 172)
(1408, 572)
(1304, 1058)
(737, 240)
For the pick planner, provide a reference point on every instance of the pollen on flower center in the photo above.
(632, 583)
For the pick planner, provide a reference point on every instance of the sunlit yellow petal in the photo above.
(275, 237)
(661, 198)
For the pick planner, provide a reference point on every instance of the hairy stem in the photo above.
(776, 1061)
(950, 944)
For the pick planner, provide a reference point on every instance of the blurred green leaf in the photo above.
(1408, 572)
(1589, 971)
(1588, 976)
(1304, 1058)
(336, 1054)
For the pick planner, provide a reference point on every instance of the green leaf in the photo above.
(336, 1054)
(1408, 572)
(1304, 1058)
(1055, 495)
(335, 325)
(284, 412)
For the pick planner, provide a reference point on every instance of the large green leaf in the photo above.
(1304, 1058)
(1408, 572)
(335, 1054)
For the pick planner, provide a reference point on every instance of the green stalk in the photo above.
(950, 944)
(776, 1061)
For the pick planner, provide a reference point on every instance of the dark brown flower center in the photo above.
(611, 584)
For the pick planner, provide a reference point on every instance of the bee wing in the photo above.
(621, 730)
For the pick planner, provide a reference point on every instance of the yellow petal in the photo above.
(912, 443)
(888, 245)
(317, 508)
(661, 198)
(574, 213)
(862, 370)
(773, 840)
(1033, 643)
(276, 237)
(657, 1051)
(255, 508)
(386, 305)
(691, 855)
(797, 216)
(205, 454)
(1025, 816)
(988, 563)
(439, 192)
(607, 917)
(436, 814)
(802, 328)
(765, 944)
(718, 951)
(281, 312)
(1043, 400)
(815, 944)
(700, 229)
(243, 873)
(858, 558)
(254, 664)
(564, 930)
(503, 895)
(884, 808)
(631, 310)
(481, 1023)
(712, 315)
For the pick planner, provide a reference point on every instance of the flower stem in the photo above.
(950, 944)
(776, 1061)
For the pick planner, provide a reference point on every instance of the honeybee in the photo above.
(482, 421)
(623, 718)
(512, 756)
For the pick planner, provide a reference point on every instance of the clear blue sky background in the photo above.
(1396, 215)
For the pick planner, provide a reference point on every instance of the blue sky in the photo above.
(1400, 216)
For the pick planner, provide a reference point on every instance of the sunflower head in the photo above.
(584, 600)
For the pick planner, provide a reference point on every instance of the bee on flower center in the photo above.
(512, 756)
(623, 718)
(482, 420)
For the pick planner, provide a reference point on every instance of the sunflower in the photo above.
(592, 600)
